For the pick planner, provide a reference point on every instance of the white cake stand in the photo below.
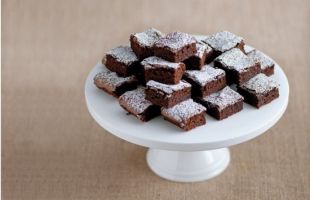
(173, 154)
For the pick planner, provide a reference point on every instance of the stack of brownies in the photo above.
(182, 78)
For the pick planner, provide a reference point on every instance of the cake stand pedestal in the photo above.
(188, 166)
(173, 154)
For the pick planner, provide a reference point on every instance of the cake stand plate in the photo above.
(176, 155)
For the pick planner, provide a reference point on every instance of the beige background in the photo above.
(53, 149)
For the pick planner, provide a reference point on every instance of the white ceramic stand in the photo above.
(197, 155)
(188, 166)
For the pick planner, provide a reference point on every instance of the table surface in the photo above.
(53, 149)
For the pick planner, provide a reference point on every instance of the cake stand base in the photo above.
(192, 166)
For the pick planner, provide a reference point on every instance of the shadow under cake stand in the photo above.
(176, 155)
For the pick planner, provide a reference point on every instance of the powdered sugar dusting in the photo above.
(258, 56)
(154, 62)
(135, 101)
(110, 80)
(205, 75)
(175, 41)
(183, 111)
(223, 41)
(148, 37)
(123, 54)
(202, 48)
(200, 37)
(260, 84)
(223, 98)
(235, 59)
(168, 89)
(248, 49)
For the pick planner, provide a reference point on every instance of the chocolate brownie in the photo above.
(121, 60)
(266, 64)
(186, 115)
(205, 81)
(223, 103)
(113, 84)
(204, 52)
(134, 103)
(175, 47)
(162, 71)
(259, 90)
(167, 95)
(224, 41)
(248, 49)
(142, 43)
(239, 68)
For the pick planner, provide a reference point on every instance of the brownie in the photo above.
(186, 115)
(239, 67)
(167, 95)
(266, 64)
(121, 60)
(162, 71)
(223, 103)
(142, 43)
(134, 103)
(175, 47)
(113, 84)
(204, 52)
(139, 73)
(224, 41)
(205, 81)
(248, 49)
(259, 90)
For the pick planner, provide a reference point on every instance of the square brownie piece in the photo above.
(121, 60)
(186, 115)
(134, 103)
(239, 67)
(163, 71)
(259, 90)
(205, 81)
(266, 64)
(167, 95)
(204, 52)
(175, 47)
(223, 103)
(142, 43)
(113, 84)
(224, 41)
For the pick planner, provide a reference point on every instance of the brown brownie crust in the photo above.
(258, 100)
(164, 100)
(238, 67)
(165, 75)
(268, 70)
(226, 112)
(163, 71)
(175, 47)
(259, 90)
(142, 43)
(134, 103)
(219, 107)
(193, 122)
(140, 51)
(197, 61)
(186, 115)
(114, 85)
(177, 56)
(121, 60)
(205, 81)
